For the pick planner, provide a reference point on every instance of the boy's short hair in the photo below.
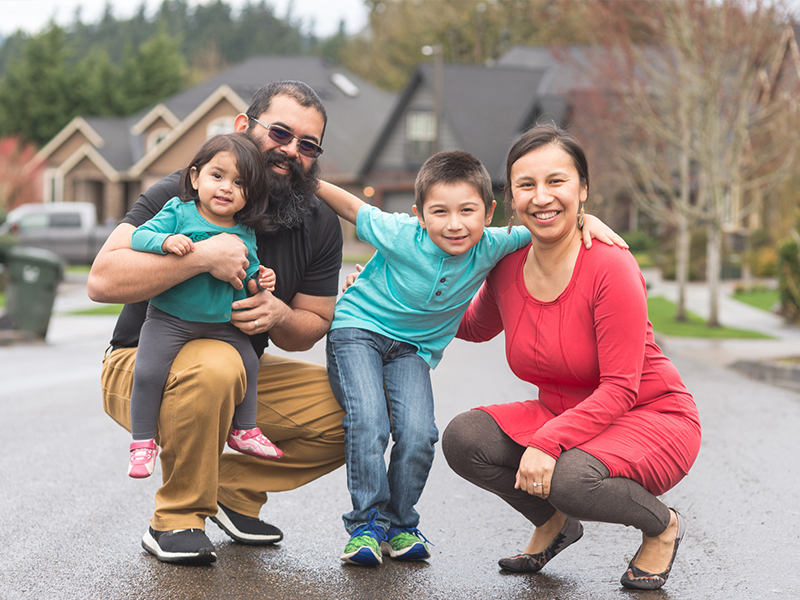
(453, 166)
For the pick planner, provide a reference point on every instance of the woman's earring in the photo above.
(581, 215)
(511, 222)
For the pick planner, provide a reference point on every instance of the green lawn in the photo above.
(761, 298)
(662, 315)
(106, 309)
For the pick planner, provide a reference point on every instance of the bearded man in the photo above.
(296, 408)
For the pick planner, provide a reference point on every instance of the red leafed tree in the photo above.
(20, 174)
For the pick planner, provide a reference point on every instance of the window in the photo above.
(220, 126)
(420, 135)
(34, 221)
(62, 220)
(154, 137)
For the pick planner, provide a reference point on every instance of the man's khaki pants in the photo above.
(296, 410)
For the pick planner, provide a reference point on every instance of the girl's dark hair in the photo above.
(252, 172)
(540, 136)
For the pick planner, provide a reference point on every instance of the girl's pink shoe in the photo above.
(143, 459)
(254, 443)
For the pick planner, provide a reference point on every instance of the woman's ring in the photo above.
(255, 324)
(537, 484)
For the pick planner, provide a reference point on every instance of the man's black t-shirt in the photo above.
(306, 259)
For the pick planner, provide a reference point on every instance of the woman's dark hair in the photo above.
(252, 172)
(540, 136)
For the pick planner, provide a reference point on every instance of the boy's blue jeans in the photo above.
(385, 388)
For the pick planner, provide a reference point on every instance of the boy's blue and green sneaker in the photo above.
(364, 547)
(405, 543)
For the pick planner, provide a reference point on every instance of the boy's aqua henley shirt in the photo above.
(413, 291)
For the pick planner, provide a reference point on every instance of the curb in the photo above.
(784, 372)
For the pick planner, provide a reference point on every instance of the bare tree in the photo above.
(693, 129)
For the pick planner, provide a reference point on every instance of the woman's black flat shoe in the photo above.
(636, 579)
(531, 563)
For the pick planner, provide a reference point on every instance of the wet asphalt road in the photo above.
(73, 519)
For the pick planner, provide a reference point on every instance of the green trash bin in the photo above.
(33, 278)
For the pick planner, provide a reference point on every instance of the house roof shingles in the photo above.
(353, 121)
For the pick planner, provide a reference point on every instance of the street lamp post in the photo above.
(438, 69)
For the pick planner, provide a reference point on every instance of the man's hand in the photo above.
(294, 327)
(225, 255)
(178, 244)
(260, 312)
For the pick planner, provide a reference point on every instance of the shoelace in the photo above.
(142, 455)
(419, 534)
(370, 527)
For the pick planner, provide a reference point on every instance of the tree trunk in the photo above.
(682, 249)
(713, 261)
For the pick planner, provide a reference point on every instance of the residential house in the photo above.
(110, 160)
(483, 110)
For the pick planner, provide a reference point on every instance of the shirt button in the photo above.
(438, 293)
(442, 280)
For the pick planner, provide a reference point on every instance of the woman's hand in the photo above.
(351, 278)
(535, 472)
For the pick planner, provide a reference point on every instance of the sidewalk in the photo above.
(760, 359)
(747, 355)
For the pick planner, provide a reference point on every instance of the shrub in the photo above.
(762, 257)
(640, 241)
(764, 262)
(789, 280)
(697, 258)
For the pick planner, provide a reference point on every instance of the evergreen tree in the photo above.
(39, 94)
(156, 70)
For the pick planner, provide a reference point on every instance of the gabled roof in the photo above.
(563, 65)
(87, 151)
(118, 148)
(223, 92)
(485, 108)
(159, 111)
(78, 124)
(356, 111)
(353, 121)
(785, 64)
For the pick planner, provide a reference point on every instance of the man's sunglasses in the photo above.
(283, 137)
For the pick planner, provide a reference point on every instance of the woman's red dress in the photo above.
(604, 385)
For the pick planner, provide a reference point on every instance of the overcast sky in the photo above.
(33, 15)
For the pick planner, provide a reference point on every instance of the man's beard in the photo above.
(290, 196)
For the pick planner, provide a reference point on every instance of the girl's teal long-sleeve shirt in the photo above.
(201, 298)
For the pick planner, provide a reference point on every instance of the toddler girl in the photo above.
(223, 190)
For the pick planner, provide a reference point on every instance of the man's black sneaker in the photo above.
(183, 546)
(244, 529)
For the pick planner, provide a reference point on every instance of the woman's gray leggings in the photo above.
(478, 450)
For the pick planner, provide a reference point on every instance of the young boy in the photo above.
(390, 329)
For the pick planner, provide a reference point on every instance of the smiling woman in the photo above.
(613, 426)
